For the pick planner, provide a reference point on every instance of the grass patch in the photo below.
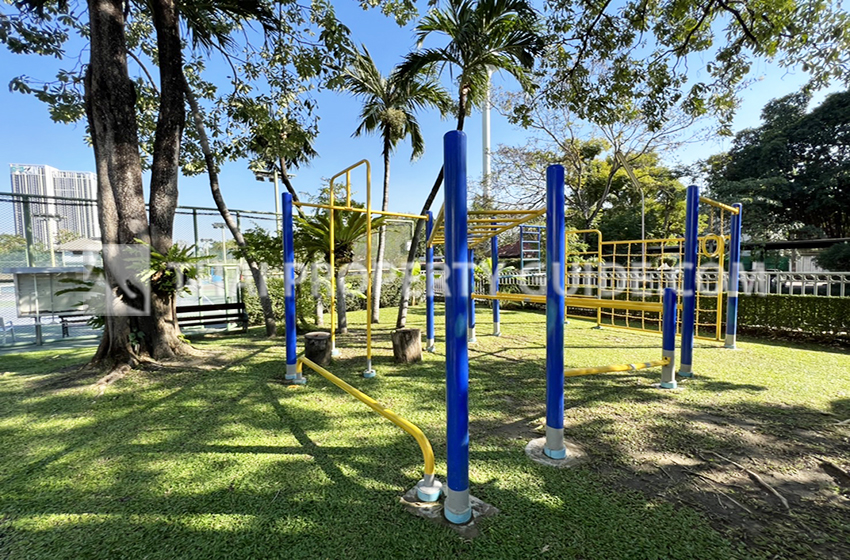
(218, 459)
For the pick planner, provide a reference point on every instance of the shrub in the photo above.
(811, 314)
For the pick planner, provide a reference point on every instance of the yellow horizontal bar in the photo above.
(576, 372)
(504, 296)
(361, 210)
(436, 226)
(576, 301)
(726, 207)
(498, 230)
(349, 168)
(665, 240)
(412, 429)
(502, 212)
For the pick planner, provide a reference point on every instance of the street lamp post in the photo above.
(272, 176)
(221, 226)
(50, 234)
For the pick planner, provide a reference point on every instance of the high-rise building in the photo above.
(50, 216)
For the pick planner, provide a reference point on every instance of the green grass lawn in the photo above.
(218, 459)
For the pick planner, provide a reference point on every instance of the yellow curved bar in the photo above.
(720, 205)
(412, 429)
(575, 372)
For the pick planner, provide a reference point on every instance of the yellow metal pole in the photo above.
(407, 426)
(333, 271)
(576, 372)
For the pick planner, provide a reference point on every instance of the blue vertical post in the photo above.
(689, 282)
(734, 273)
(292, 373)
(457, 507)
(555, 262)
(668, 339)
(522, 249)
(429, 285)
(471, 331)
(494, 283)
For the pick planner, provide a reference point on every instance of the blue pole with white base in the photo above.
(689, 282)
(668, 338)
(494, 283)
(292, 373)
(457, 508)
(734, 273)
(429, 286)
(555, 259)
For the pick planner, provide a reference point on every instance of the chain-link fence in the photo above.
(43, 235)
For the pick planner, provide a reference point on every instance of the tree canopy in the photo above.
(793, 172)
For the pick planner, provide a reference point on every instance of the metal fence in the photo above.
(57, 232)
(51, 231)
(827, 284)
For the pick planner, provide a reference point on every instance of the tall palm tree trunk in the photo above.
(342, 315)
(382, 238)
(404, 302)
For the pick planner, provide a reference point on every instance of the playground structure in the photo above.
(462, 231)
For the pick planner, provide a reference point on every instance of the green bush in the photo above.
(810, 314)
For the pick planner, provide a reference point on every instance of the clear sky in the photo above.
(29, 136)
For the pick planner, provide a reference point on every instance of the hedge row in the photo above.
(811, 314)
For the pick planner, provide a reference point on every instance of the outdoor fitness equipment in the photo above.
(428, 489)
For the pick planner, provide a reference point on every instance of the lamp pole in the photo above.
(220, 225)
(273, 176)
(50, 235)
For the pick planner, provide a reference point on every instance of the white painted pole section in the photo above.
(485, 138)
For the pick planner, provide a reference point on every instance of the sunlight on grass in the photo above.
(229, 462)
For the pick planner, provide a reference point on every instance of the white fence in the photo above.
(828, 284)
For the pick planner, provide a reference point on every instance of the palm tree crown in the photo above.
(389, 104)
(497, 34)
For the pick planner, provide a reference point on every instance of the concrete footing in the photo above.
(535, 452)
(433, 511)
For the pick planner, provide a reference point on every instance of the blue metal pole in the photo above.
(522, 249)
(494, 283)
(734, 273)
(471, 332)
(429, 286)
(555, 262)
(689, 282)
(292, 374)
(668, 338)
(457, 506)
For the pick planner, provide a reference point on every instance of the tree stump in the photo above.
(407, 345)
(317, 347)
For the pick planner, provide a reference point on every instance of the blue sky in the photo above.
(31, 137)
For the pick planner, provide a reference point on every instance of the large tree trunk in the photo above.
(165, 166)
(404, 302)
(110, 107)
(382, 237)
(253, 265)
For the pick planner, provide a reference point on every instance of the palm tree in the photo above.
(313, 238)
(389, 108)
(483, 35)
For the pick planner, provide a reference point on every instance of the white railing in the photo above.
(830, 284)
(796, 283)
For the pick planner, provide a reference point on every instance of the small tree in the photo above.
(312, 236)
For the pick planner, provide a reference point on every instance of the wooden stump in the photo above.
(407, 345)
(317, 347)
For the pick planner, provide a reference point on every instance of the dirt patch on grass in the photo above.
(780, 496)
